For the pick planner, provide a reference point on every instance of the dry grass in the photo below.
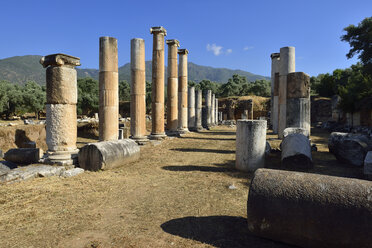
(176, 195)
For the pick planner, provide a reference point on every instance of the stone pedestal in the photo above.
(182, 91)
(287, 65)
(191, 109)
(108, 89)
(138, 92)
(207, 109)
(198, 110)
(250, 144)
(61, 128)
(157, 96)
(275, 63)
(172, 88)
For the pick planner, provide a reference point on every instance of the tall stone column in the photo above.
(216, 112)
(198, 110)
(213, 104)
(298, 100)
(172, 88)
(157, 96)
(287, 65)
(182, 91)
(207, 109)
(191, 109)
(275, 62)
(138, 91)
(61, 96)
(108, 89)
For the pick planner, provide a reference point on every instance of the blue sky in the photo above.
(230, 34)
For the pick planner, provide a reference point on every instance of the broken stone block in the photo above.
(368, 166)
(296, 151)
(23, 155)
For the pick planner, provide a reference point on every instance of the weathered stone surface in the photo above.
(296, 151)
(368, 165)
(349, 148)
(108, 89)
(23, 155)
(72, 172)
(182, 91)
(31, 171)
(172, 88)
(138, 92)
(275, 62)
(61, 85)
(157, 95)
(59, 59)
(207, 110)
(108, 154)
(310, 210)
(298, 113)
(250, 144)
(291, 130)
(191, 109)
(267, 148)
(198, 110)
(298, 85)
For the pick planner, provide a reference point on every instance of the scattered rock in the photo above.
(349, 148)
(314, 148)
(31, 171)
(368, 166)
(72, 172)
(232, 186)
(267, 148)
(24, 155)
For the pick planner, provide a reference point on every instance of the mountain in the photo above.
(20, 69)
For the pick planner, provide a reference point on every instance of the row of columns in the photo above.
(184, 107)
(290, 102)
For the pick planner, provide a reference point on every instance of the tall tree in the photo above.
(34, 98)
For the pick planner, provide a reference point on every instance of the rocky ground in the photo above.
(183, 192)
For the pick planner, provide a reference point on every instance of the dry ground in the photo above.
(177, 195)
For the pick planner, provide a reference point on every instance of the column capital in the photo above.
(59, 59)
(275, 55)
(157, 30)
(183, 51)
(173, 42)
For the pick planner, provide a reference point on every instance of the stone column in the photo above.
(191, 109)
(198, 110)
(157, 96)
(216, 112)
(287, 65)
(250, 109)
(172, 88)
(108, 89)
(182, 91)
(275, 62)
(298, 100)
(207, 109)
(250, 144)
(213, 105)
(61, 100)
(138, 92)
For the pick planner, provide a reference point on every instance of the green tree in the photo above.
(88, 96)
(209, 85)
(360, 40)
(34, 98)
(124, 91)
(11, 99)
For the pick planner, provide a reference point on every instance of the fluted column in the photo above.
(182, 91)
(108, 89)
(157, 96)
(191, 109)
(216, 112)
(138, 91)
(61, 96)
(287, 65)
(172, 88)
(213, 109)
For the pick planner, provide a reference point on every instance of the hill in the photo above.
(20, 69)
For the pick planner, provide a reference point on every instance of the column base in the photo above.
(172, 133)
(199, 129)
(183, 130)
(140, 140)
(157, 136)
(193, 129)
(61, 157)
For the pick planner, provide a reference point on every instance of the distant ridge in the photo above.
(20, 69)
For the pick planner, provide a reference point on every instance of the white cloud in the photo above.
(246, 48)
(217, 50)
(228, 51)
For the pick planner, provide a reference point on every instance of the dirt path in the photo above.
(177, 195)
